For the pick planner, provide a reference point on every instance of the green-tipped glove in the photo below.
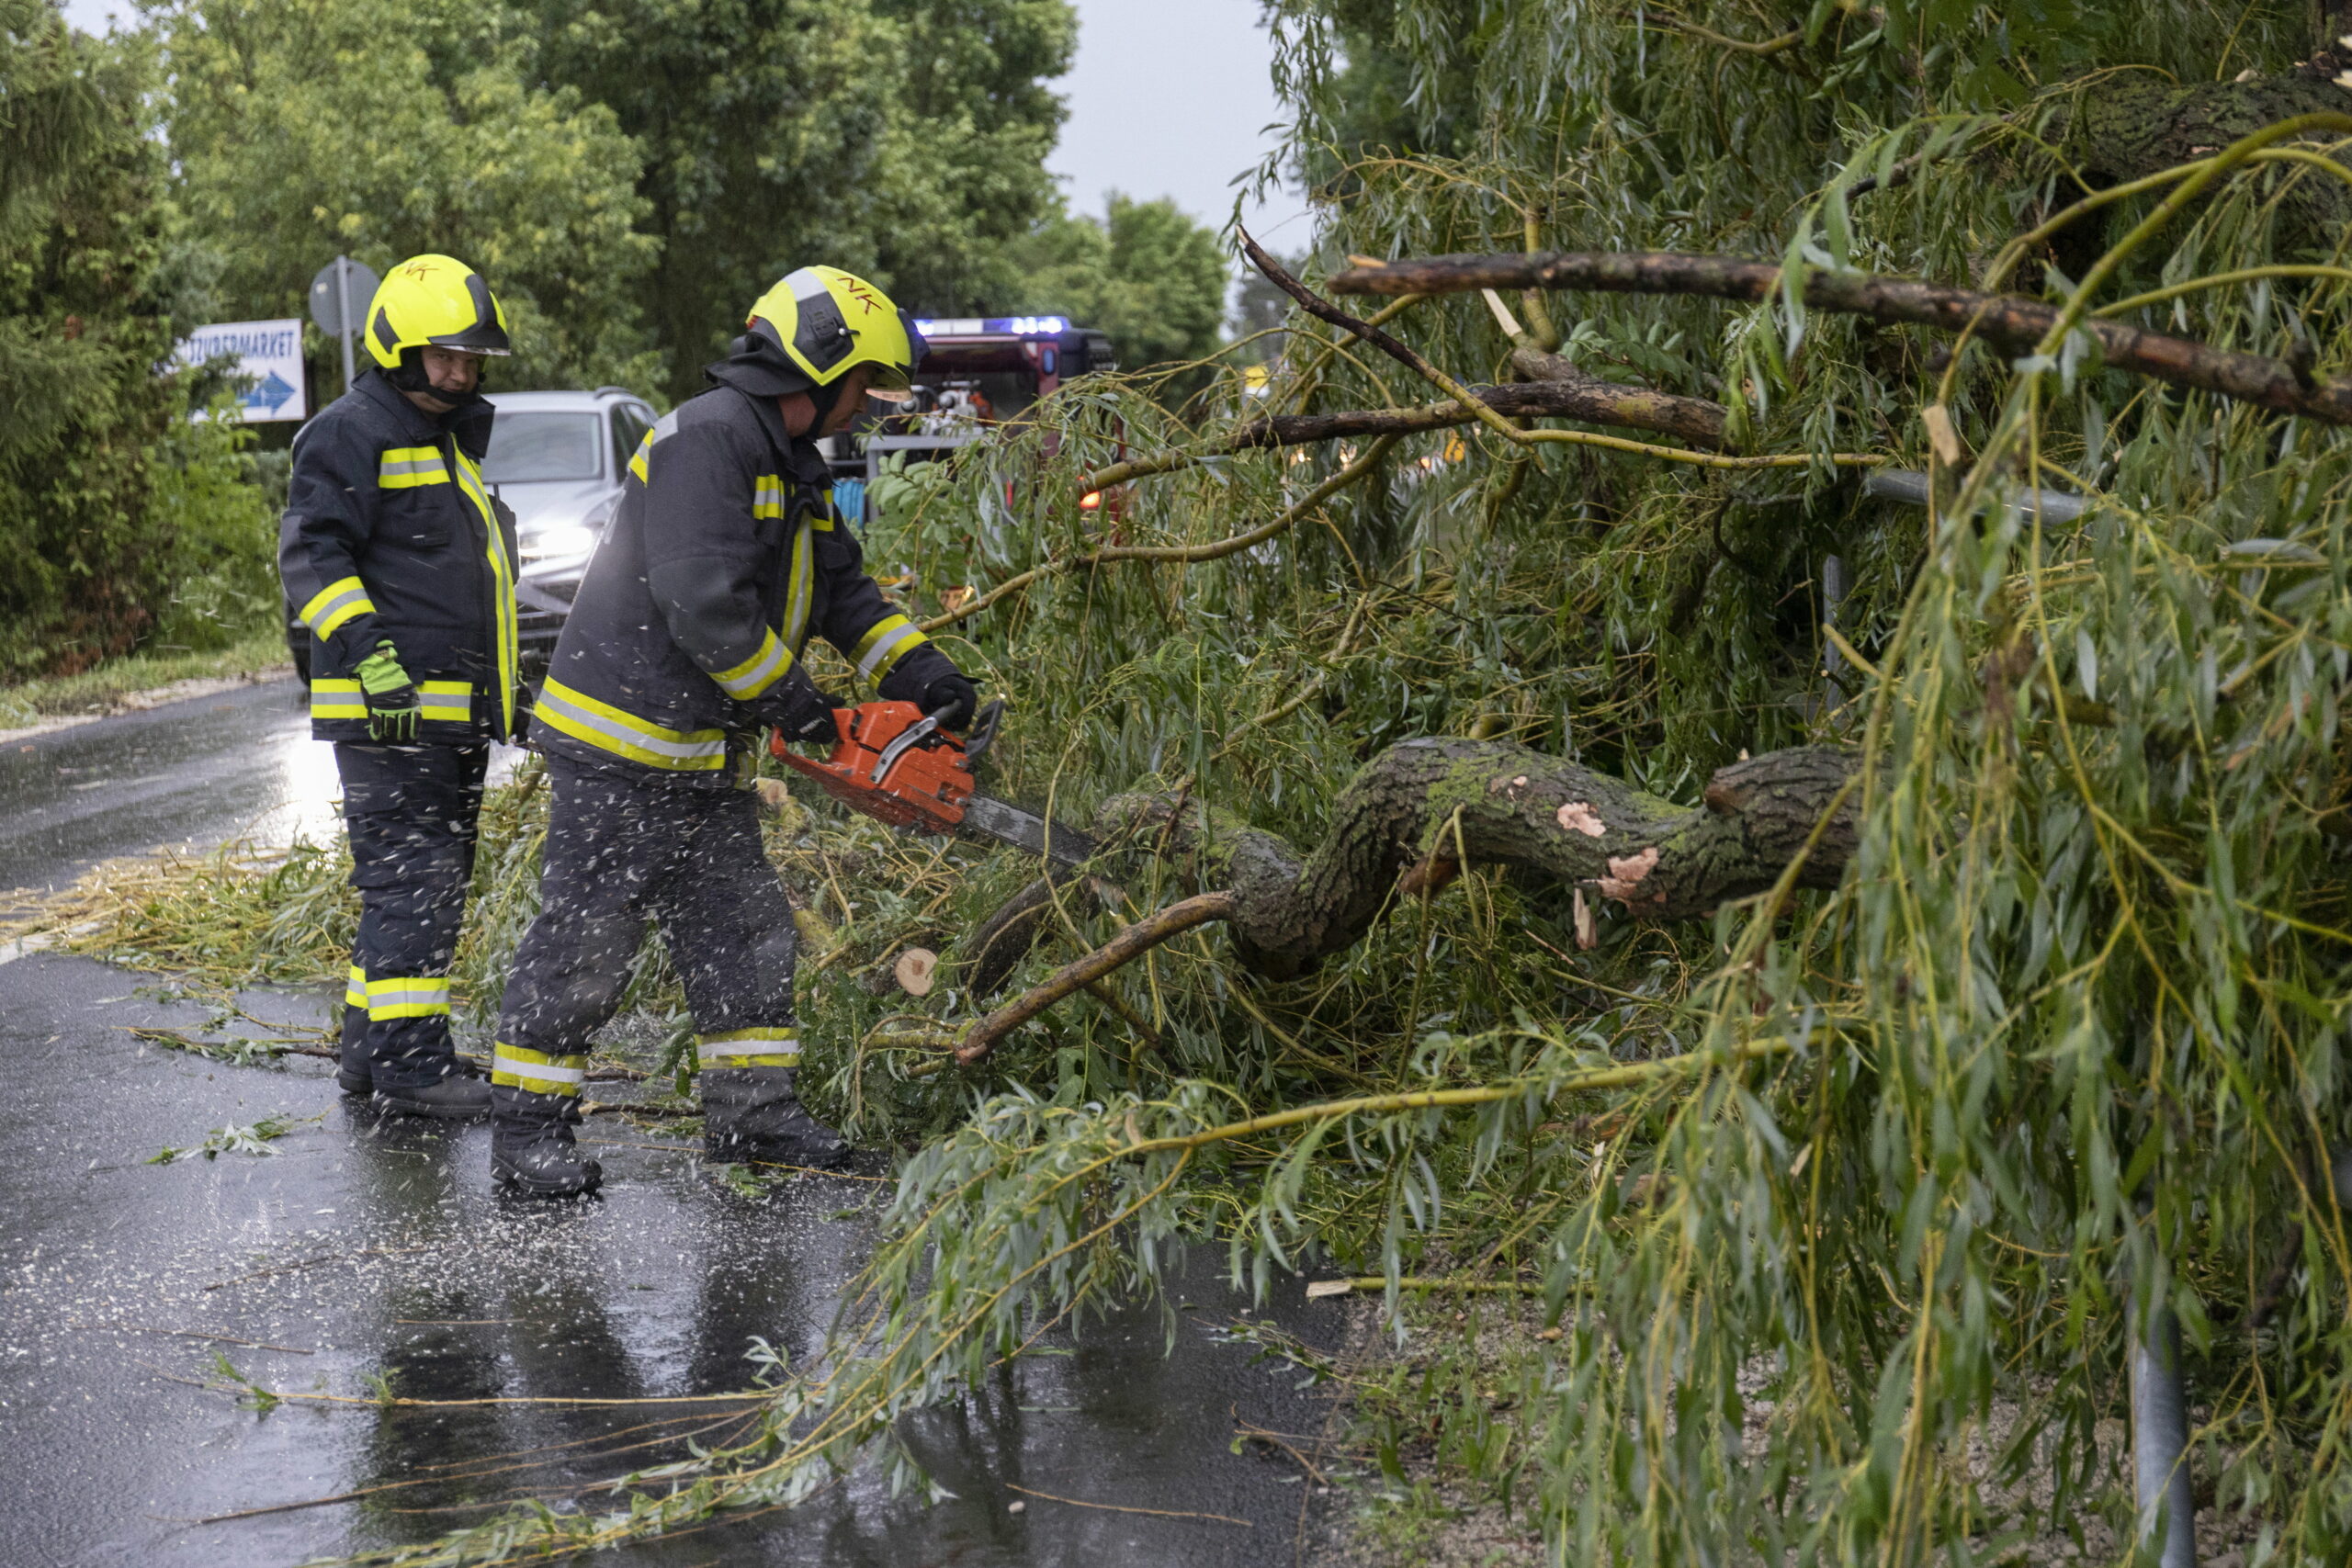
(391, 696)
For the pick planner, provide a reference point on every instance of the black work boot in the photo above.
(351, 1072)
(457, 1098)
(531, 1147)
(752, 1114)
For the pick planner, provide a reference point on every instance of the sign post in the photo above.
(269, 360)
(339, 296)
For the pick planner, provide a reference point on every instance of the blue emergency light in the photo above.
(971, 326)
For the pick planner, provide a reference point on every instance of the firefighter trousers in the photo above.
(623, 847)
(412, 813)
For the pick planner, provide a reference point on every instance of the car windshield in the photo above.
(529, 446)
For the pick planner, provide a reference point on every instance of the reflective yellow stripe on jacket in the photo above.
(624, 734)
(440, 701)
(767, 496)
(885, 642)
(336, 604)
(757, 674)
(502, 586)
(405, 468)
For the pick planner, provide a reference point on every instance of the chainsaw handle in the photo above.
(983, 731)
(844, 719)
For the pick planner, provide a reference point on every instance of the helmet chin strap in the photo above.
(824, 398)
(409, 375)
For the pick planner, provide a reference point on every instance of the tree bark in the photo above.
(1082, 972)
(2140, 126)
(2005, 321)
(1419, 811)
(1579, 397)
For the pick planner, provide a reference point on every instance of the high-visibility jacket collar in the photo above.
(797, 455)
(469, 422)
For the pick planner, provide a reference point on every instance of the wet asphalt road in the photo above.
(361, 1250)
(199, 773)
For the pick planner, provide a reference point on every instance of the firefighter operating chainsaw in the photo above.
(683, 645)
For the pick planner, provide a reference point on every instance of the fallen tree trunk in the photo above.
(2005, 321)
(1428, 805)
(1416, 814)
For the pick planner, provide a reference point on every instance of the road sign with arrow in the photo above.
(266, 368)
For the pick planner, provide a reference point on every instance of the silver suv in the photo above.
(558, 459)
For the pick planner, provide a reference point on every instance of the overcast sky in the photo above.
(1169, 97)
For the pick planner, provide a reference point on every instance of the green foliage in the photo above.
(109, 500)
(1149, 275)
(380, 131)
(254, 1140)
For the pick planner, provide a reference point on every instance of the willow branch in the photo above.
(1584, 1082)
(1214, 550)
(2008, 322)
(1760, 47)
(1323, 309)
(1132, 942)
(1581, 396)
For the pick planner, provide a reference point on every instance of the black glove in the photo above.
(795, 709)
(957, 695)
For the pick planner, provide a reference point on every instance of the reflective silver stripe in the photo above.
(805, 283)
(803, 589)
(418, 466)
(765, 667)
(390, 992)
(666, 426)
(881, 652)
(322, 618)
(447, 700)
(767, 496)
(720, 1051)
(500, 1062)
(626, 737)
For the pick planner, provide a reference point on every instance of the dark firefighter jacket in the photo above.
(723, 556)
(390, 535)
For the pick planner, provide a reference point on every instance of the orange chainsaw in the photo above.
(899, 765)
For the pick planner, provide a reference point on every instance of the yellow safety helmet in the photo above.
(827, 322)
(432, 301)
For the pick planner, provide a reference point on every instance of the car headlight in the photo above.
(558, 539)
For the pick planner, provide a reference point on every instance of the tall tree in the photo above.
(305, 128)
(903, 140)
(1148, 274)
(108, 497)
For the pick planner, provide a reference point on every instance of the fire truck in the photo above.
(978, 372)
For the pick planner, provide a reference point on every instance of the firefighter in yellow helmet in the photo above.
(683, 649)
(400, 562)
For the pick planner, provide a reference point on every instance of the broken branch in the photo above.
(2008, 322)
(1132, 942)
